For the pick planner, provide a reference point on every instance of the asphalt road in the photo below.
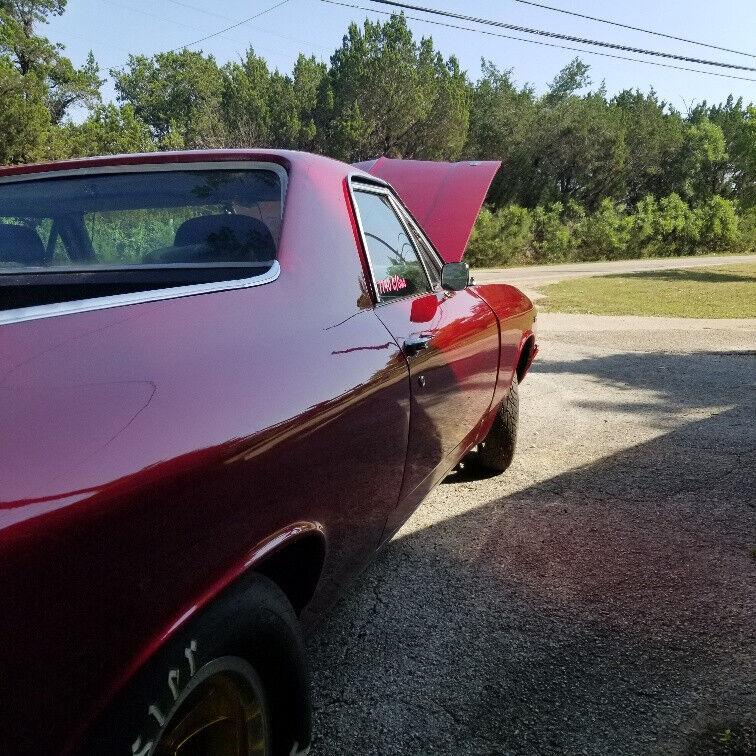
(534, 276)
(600, 596)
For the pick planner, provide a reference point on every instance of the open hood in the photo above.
(445, 198)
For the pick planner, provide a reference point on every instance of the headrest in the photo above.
(21, 245)
(229, 234)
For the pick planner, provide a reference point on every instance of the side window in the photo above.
(397, 269)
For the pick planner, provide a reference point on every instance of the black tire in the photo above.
(496, 451)
(250, 633)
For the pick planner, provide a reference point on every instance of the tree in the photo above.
(109, 130)
(177, 94)
(573, 77)
(309, 77)
(705, 160)
(24, 120)
(738, 124)
(244, 102)
(31, 54)
(502, 123)
(387, 95)
(580, 151)
(653, 139)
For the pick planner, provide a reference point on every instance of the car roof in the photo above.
(286, 158)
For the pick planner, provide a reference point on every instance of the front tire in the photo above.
(496, 451)
(235, 681)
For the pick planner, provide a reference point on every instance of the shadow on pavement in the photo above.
(607, 610)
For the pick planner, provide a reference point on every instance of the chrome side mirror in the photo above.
(455, 276)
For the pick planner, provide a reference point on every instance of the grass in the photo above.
(724, 291)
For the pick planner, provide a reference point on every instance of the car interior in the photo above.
(116, 234)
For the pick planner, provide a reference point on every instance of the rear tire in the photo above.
(246, 651)
(496, 451)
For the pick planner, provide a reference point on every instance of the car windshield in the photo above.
(158, 218)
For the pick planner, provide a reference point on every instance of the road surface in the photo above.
(600, 596)
(532, 277)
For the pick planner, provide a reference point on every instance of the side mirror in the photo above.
(455, 276)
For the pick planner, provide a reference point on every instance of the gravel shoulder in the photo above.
(600, 596)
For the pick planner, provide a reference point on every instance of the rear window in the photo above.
(77, 237)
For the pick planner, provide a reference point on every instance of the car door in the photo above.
(450, 341)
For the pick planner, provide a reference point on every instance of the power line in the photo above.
(201, 10)
(634, 28)
(233, 26)
(153, 15)
(546, 44)
(259, 28)
(555, 35)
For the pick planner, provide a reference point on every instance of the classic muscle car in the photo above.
(226, 378)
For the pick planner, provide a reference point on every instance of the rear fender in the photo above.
(230, 581)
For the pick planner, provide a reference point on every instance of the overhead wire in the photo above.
(634, 28)
(265, 31)
(232, 26)
(540, 42)
(556, 35)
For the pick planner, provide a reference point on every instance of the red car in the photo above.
(226, 378)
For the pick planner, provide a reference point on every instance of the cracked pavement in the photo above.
(600, 596)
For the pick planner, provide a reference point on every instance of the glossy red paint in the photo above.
(150, 454)
(444, 197)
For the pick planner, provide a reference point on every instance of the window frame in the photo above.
(436, 259)
(360, 184)
(55, 309)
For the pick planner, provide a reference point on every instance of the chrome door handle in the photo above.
(416, 344)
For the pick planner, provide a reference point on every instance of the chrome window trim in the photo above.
(409, 230)
(36, 312)
(379, 187)
(200, 165)
(423, 237)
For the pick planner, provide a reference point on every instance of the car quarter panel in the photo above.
(147, 451)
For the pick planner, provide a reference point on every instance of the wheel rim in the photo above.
(223, 716)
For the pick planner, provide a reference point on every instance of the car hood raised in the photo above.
(445, 198)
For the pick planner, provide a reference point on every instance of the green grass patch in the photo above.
(726, 291)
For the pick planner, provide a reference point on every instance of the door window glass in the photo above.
(397, 269)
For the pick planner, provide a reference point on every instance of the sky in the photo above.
(114, 28)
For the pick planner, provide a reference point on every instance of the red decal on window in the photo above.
(395, 283)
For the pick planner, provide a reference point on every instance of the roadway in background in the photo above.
(533, 277)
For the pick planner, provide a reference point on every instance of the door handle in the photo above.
(416, 344)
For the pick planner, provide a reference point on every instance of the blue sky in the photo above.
(114, 28)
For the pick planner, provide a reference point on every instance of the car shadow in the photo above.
(696, 275)
(607, 609)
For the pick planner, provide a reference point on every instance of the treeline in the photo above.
(555, 232)
(584, 175)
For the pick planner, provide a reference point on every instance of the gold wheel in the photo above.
(223, 716)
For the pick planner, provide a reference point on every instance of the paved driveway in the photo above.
(598, 598)
(534, 276)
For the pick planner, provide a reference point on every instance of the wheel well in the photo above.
(295, 568)
(522, 363)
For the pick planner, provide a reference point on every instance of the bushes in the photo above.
(719, 225)
(555, 233)
(503, 237)
(605, 235)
